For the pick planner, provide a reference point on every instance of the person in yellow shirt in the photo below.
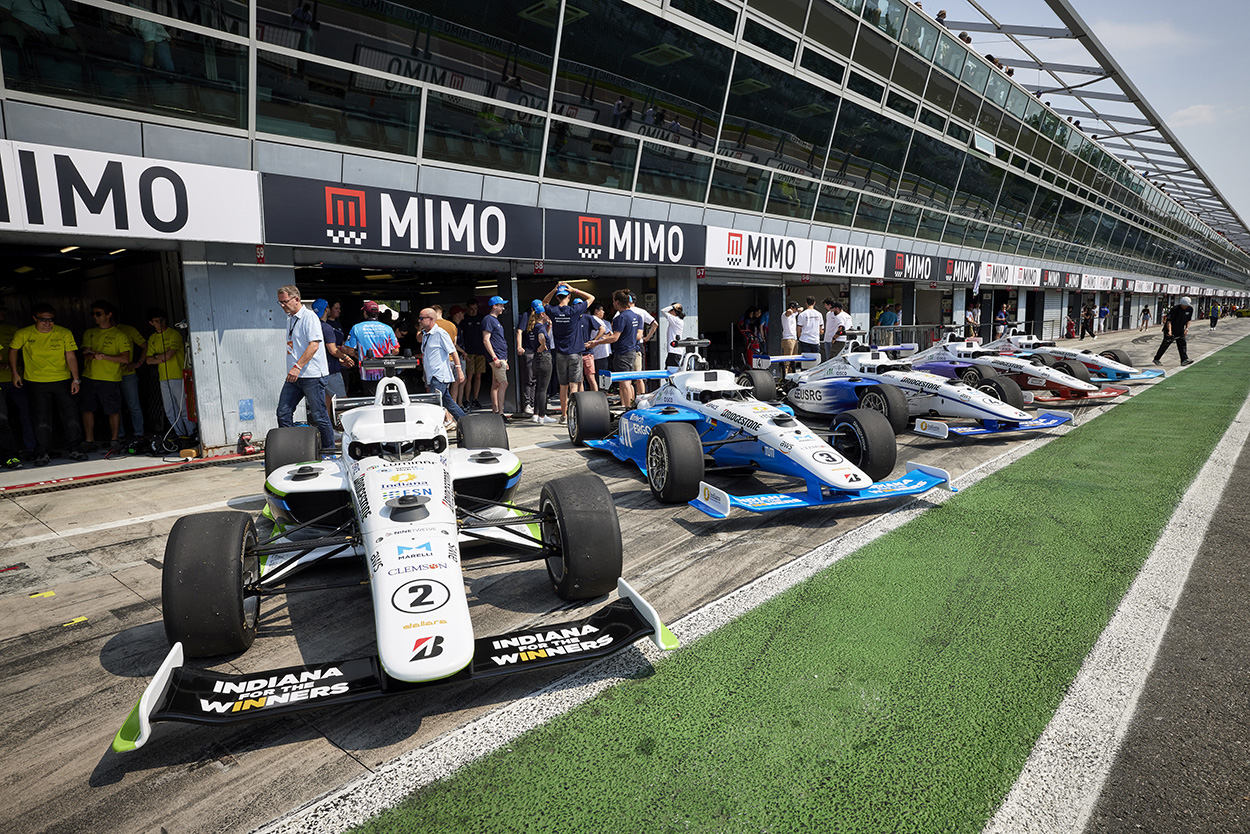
(43, 361)
(165, 350)
(106, 349)
(130, 380)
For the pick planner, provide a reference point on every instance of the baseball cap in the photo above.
(369, 307)
(536, 306)
(319, 307)
(793, 305)
(1186, 301)
(563, 289)
(497, 299)
(457, 309)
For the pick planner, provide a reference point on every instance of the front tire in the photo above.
(584, 534)
(760, 383)
(293, 444)
(973, 374)
(1074, 368)
(674, 462)
(865, 439)
(889, 402)
(482, 431)
(1117, 355)
(1003, 388)
(210, 562)
(588, 417)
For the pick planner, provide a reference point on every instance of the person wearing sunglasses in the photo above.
(44, 362)
(106, 349)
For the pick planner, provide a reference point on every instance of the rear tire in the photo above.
(1073, 367)
(482, 431)
(973, 374)
(761, 384)
(210, 558)
(674, 462)
(889, 402)
(866, 440)
(293, 444)
(585, 535)
(589, 417)
(1003, 388)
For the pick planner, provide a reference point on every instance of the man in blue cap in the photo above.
(566, 328)
(496, 345)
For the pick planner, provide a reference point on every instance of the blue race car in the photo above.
(701, 416)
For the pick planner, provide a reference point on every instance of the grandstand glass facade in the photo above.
(859, 115)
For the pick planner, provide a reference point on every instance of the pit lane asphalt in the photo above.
(72, 664)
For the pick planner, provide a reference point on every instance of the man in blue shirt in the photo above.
(566, 329)
(625, 338)
(471, 337)
(371, 339)
(886, 323)
(440, 360)
(495, 344)
(305, 366)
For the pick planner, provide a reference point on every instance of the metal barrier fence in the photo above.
(925, 335)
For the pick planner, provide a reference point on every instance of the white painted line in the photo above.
(1060, 783)
(123, 522)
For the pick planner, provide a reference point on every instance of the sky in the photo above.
(1191, 62)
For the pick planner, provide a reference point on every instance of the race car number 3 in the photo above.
(420, 596)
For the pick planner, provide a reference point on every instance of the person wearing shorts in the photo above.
(625, 338)
(106, 349)
(566, 330)
(475, 361)
(495, 343)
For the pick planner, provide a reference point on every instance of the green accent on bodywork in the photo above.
(126, 737)
(268, 513)
(515, 469)
(276, 492)
(667, 639)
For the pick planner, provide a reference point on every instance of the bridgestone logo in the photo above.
(745, 422)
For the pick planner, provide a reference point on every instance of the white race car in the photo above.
(1112, 364)
(402, 502)
(864, 377)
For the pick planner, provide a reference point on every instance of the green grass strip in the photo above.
(899, 690)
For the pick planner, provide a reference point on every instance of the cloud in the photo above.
(1123, 38)
(1204, 114)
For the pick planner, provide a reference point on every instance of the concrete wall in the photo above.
(238, 346)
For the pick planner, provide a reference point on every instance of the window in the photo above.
(865, 87)
(904, 219)
(791, 196)
(710, 12)
(934, 120)
(910, 72)
(831, 27)
(836, 205)
(919, 35)
(581, 154)
(886, 15)
(668, 172)
(789, 12)
(738, 186)
(873, 214)
(867, 149)
(950, 55)
(822, 66)
(901, 104)
(769, 40)
(976, 73)
(488, 136)
(874, 52)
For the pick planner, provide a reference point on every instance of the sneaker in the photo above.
(77, 456)
(43, 460)
(537, 419)
(1187, 361)
(13, 463)
(449, 425)
(523, 415)
(90, 446)
(1154, 362)
(549, 420)
(561, 420)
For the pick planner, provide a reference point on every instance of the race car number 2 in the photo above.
(420, 596)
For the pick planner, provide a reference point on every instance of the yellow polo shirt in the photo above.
(43, 354)
(109, 342)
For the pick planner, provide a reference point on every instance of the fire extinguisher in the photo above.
(188, 388)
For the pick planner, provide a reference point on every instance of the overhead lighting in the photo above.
(117, 251)
(381, 276)
(24, 269)
(65, 249)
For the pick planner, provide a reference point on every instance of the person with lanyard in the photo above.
(106, 349)
(441, 363)
(625, 338)
(566, 330)
(674, 318)
(533, 350)
(495, 343)
(165, 351)
(336, 357)
(370, 339)
(306, 367)
(49, 370)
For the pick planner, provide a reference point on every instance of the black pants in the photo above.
(8, 445)
(49, 401)
(1087, 327)
(535, 378)
(1182, 346)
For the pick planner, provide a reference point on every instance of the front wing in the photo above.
(1106, 392)
(1118, 376)
(176, 693)
(942, 430)
(919, 479)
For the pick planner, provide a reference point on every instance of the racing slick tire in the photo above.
(1042, 359)
(1073, 367)
(589, 417)
(293, 444)
(760, 383)
(887, 400)
(584, 534)
(674, 462)
(210, 560)
(865, 438)
(482, 430)
(1117, 355)
(973, 374)
(1003, 388)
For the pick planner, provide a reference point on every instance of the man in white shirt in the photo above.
(830, 329)
(839, 322)
(306, 366)
(674, 317)
(809, 324)
(789, 333)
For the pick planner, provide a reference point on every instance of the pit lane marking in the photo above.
(112, 525)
